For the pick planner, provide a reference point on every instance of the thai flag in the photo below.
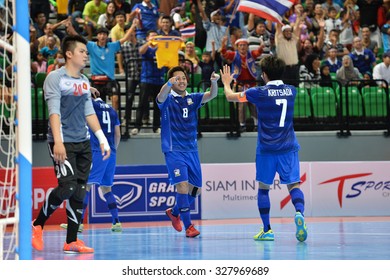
(272, 10)
(188, 32)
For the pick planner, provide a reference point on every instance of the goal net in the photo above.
(15, 131)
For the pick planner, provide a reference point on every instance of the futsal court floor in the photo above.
(337, 238)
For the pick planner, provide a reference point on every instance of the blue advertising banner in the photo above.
(142, 193)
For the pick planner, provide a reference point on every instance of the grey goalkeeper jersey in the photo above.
(70, 98)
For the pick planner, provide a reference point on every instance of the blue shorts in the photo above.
(287, 166)
(102, 171)
(184, 167)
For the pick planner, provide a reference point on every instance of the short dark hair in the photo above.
(272, 66)
(167, 17)
(150, 31)
(176, 69)
(69, 43)
(120, 13)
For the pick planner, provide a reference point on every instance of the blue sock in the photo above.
(298, 200)
(184, 208)
(111, 203)
(175, 209)
(85, 204)
(264, 205)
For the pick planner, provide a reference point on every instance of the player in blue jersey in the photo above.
(277, 147)
(179, 123)
(103, 171)
(68, 96)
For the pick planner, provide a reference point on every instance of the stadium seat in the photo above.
(324, 102)
(37, 98)
(217, 108)
(302, 104)
(355, 102)
(374, 99)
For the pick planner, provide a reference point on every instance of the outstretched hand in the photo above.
(214, 77)
(226, 76)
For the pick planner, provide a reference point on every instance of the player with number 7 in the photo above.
(277, 146)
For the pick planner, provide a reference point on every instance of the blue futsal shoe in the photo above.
(301, 233)
(264, 236)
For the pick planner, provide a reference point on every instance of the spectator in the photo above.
(326, 79)
(107, 19)
(122, 5)
(368, 17)
(117, 33)
(34, 43)
(363, 59)
(92, 11)
(328, 4)
(148, 15)
(346, 34)
(319, 15)
(300, 18)
(152, 78)
(382, 13)
(287, 47)
(347, 72)
(332, 23)
(48, 29)
(59, 61)
(39, 23)
(215, 31)
(233, 16)
(309, 47)
(200, 32)
(190, 54)
(180, 18)
(50, 50)
(132, 64)
(207, 66)
(167, 6)
(39, 65)
(102, 58)
(310, 71)
(368, 81)
(385, 32)
(75, 11)
(166, 27)
(334, 42)
(40, 6)
(332, 61)
(235, 34)
(366, 40)
(244, 72)
(382, 70)
(257, 35)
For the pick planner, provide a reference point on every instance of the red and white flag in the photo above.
(272, 10)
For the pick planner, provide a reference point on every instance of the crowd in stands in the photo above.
(318, 40)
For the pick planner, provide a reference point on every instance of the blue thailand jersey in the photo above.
(108, 119)
(275, 109)
(179, 122)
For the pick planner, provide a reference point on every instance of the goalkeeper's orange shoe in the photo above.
(37, 239)
(77, 247)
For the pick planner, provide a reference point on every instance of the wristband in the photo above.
(102, 139)
(169, 83)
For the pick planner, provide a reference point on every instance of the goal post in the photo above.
(24, 130)
(15, 132)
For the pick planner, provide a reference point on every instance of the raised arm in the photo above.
(227, 79)
(201, 10)
(129, 31)
(213, 89)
